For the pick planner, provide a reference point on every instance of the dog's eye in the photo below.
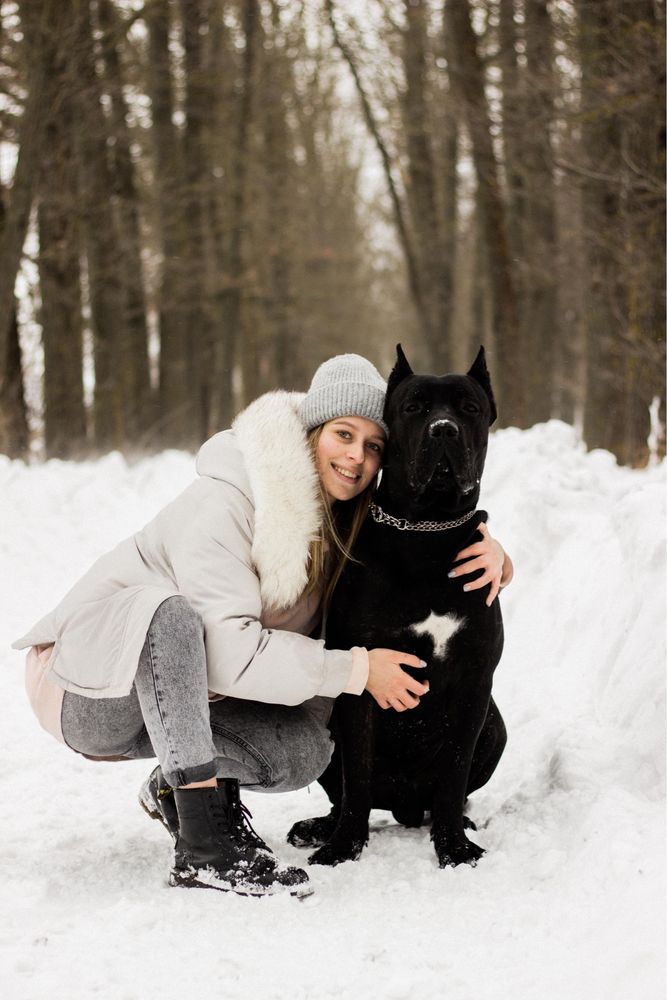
(470, 407)
(413, 407)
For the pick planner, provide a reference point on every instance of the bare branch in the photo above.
(373, 128)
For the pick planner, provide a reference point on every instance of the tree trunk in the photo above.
(601, 147)
(644, 211)
(467, 78)
(60, 287)
(199, 96)
(45, 30)
(513, 131)
(102, 246)
(435, 271)
(227, 345)
(450, 217)
(49, 40)
(14, 436)
(138, 405)
(276, 84)
(222, 66)
(539, 312)
(398, 210)
(178, 423)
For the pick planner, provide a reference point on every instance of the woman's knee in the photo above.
(176, 620)
(101, 728)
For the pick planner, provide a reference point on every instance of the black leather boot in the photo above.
(156, 797)
(217, 848)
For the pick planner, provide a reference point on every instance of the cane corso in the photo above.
(396, 594)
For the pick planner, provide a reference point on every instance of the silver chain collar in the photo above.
(403, 524)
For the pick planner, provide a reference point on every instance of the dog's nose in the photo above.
(444, 427)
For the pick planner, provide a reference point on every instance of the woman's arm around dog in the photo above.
(490, 556)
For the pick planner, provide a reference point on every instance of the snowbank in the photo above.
(567, 902)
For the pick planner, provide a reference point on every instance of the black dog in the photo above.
(397, 594)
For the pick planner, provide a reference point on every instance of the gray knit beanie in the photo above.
(345, 386)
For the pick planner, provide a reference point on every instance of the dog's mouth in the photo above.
(442, 475)
(445, 473)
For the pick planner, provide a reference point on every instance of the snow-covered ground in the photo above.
(566, 904)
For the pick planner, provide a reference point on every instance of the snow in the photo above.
(566, 903)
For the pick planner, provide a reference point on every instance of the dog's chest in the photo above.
(400, 598)
(439, 628)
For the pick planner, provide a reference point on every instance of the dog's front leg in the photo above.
(451, 844)
(354, 739)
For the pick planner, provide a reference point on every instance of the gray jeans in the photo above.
(167, 715)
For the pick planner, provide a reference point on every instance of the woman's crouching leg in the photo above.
(171, 685)
(166, 713)
(270, 748)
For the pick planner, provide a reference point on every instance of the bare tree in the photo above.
(398, 208)
(466, 73)
(14, 437)
(428, 221)
(177, 420)
(138, 409)
(101, 240)
(539, 309)
(201, 172)
(277, 84)
(45, 27)
(622, 171)
(59, 270)
(227, 344)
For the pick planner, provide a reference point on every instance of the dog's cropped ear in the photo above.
(480, 373)
(400, 370)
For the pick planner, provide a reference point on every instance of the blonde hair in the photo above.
(339, 529)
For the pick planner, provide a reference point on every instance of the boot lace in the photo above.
(243, 828)
(237, 826)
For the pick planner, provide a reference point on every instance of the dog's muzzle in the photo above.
(444, 460)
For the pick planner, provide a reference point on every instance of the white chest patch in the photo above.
(441, 628)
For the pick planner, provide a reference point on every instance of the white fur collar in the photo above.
(285, 489)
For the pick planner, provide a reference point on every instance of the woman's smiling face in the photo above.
(348, 455)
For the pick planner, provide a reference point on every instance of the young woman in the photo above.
(192, 641)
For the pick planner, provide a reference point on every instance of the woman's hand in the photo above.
(490, 556)
(390, 686)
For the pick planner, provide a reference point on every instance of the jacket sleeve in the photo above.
(213, 569)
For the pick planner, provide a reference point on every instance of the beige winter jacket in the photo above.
(235, 544)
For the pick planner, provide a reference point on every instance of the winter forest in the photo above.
(203, 200)
(200, 201)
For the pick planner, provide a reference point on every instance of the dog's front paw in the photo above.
(339, 849)
(312, 832)
(452, 851)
